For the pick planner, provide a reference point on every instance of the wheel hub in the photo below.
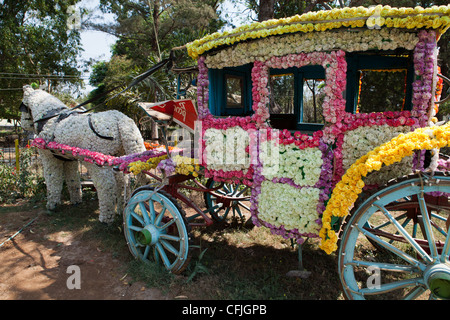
(148, 235)
(437, 278)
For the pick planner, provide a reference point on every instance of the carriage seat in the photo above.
(159, 117)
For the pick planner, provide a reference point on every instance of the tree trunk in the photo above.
(266, 10)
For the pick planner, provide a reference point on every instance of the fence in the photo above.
(10, 156)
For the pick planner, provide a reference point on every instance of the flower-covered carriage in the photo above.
(283, 112)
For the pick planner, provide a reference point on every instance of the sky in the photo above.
(97, 45)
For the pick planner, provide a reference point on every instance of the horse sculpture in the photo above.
(109, 132)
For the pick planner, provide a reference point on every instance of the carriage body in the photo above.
(287, 106)
(322, 116)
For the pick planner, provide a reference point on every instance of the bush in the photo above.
(27, 183)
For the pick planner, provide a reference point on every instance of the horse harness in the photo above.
(61, 114)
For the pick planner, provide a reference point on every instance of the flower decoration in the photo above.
(348, 41)
(435, 17)
(95, 138)
(352, 183)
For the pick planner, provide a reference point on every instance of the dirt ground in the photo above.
(35, 265)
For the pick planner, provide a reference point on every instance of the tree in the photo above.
(36, 46)
(146, 27)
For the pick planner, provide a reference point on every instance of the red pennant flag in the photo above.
(185, 114)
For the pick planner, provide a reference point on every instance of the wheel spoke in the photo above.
(242, 191)
(138, 218)
(384, 266)
(160, 216)
(152, 212)
(236, 209)
(405, 234)
(416, 292)
(146, 252)
(144, 212)
(243, 206)
(169, 247)
(162, 255)
(138, 229)
(427, 226)
(167, 224)
(169, 237)
(446, 250)
(390, 247)
(387, 287)
(225, 215)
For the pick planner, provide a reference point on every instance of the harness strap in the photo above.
(96, 133)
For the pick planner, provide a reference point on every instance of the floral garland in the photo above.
(374, 17)
(346, 40)
(87, 155)
(363, 139)
(138, 166)
(137, 162)
(347, 190)
(186, 166)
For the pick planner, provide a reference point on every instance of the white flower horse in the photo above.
(110, 133)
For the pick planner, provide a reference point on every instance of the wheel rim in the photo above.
(231, 200)
(155, 230)
(414, 260)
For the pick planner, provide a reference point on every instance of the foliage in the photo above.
(27, 183)
(37, 46)
(154, 27)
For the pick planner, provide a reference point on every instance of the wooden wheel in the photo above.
(230, 200)
(407, 221)
(156, 229)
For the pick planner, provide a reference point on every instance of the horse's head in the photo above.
(36, 105)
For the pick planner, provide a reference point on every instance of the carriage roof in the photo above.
(405, 21)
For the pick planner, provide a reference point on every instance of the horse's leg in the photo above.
(105, 183)
(121, 189)
(73, 182)
(54, 177)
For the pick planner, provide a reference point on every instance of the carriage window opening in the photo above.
(234, 86)
(313, 97)
(381, 90)
(282, 88)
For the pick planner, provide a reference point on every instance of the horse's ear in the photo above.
(27, 89)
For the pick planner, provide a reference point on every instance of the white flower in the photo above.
(288, 161)
(364, 139)
(284, 205)
(226, 149)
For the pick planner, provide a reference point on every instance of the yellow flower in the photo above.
(347, 190)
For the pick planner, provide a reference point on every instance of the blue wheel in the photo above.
(230, 200)
(396, 244)
(155, 229)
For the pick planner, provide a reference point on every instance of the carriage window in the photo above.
(230, 91)
(296, 98)
(381, 90)
(313, 96)
(234, 86)
(282, 94)
(379, 83)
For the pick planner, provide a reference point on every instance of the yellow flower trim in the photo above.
(435, 17)
(139, 166)
(347, 190)
(186, 166)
